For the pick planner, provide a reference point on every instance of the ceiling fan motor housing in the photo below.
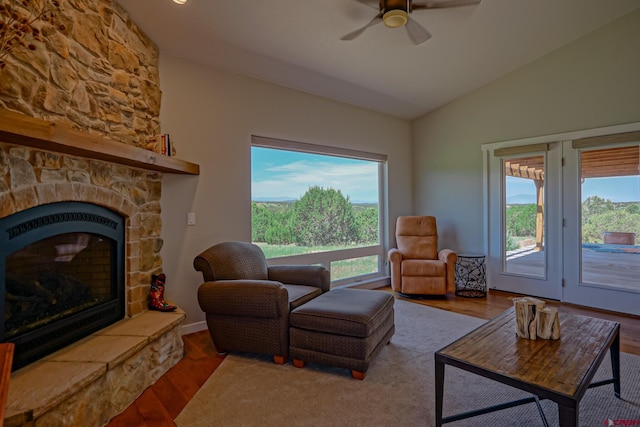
(396, 12)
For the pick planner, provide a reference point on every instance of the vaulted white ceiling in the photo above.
(296, 43)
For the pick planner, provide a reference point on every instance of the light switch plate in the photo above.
(191, 218)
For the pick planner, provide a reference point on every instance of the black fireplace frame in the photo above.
(40, 222)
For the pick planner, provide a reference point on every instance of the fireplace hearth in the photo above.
(62, 275)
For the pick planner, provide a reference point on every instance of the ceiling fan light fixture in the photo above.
(180, 1)
(395, 18)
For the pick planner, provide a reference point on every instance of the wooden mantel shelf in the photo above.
(20, 129)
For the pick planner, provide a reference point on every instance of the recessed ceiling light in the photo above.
(180, 1)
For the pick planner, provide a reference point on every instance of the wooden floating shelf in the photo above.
(20, 129)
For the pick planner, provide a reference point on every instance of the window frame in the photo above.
(326, 258)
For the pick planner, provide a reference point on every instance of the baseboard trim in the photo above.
(193, 327)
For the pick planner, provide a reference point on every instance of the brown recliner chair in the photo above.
(417, 267)
(247, 302)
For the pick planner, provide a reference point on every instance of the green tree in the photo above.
(595, 205)
(511, 243)
(261, 219)
(521, 220)
(367, 225)
(613, 220)
(323, 217)
(633, 208)
(280, 234)
(271, 223)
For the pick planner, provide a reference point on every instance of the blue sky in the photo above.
(616, 189)
(287, 175)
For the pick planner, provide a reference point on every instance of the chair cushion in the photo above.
(300, 294)
(423, 267)
(417, 237)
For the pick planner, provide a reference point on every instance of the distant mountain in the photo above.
(521, 199)
(281, 200)
(273, 199)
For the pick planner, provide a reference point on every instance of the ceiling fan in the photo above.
(395, 14)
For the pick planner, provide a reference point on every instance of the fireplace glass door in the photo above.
(55, 278)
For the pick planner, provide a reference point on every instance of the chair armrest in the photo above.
(395, 255)
(202, 263)
(255, 298)
(448, 256)
(307, 275)
(395, 261)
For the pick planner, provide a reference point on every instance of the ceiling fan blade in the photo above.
(417, 33)
(443, 4)
(352, 35)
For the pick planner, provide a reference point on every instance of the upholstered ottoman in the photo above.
(346, 328)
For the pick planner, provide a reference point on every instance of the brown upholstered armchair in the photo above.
(247, 303)
(417, 267)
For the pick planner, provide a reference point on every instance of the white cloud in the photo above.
(290, 181)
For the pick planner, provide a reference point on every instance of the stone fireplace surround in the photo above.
(94, 75)
(96, 378)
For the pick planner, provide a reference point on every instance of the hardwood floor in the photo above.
(161, 403)
(496, 302)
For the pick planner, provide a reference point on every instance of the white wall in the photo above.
(593, 82)
(211, 115)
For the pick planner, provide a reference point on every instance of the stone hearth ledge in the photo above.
(96, 378)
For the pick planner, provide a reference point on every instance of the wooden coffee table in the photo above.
(559, 370)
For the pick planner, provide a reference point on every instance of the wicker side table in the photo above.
(471, 276)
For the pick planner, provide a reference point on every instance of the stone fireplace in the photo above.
(76, 110)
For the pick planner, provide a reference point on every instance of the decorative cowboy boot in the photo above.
(156, 295)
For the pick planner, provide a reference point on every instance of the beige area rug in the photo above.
(249, 390)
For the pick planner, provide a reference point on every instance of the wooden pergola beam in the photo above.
(621, 161)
